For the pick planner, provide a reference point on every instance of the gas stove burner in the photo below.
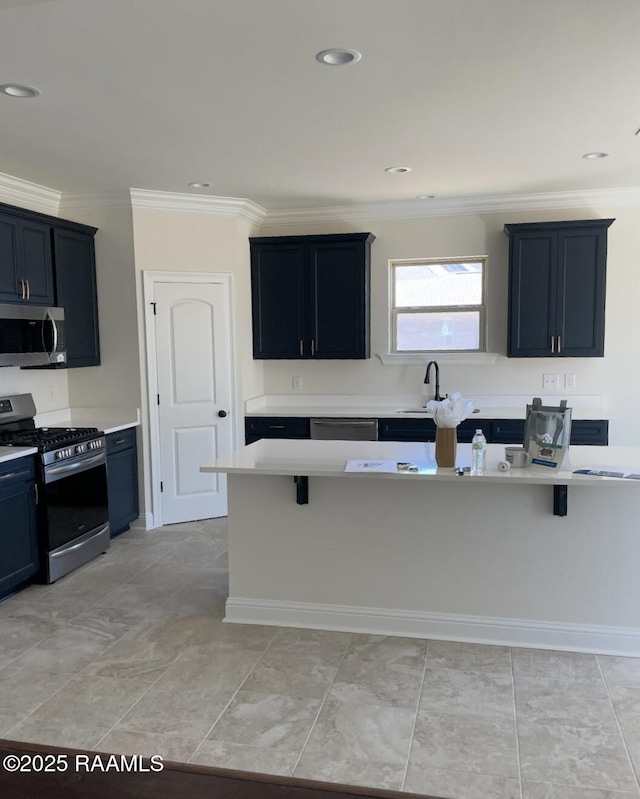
(48, 438)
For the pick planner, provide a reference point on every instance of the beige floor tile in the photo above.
(90, 701)
(19, 635)
(576, 756)
(469, 657)
(147, 744)
(460, 784)
(68, 650)
(542, 664)
(372, 682)
(545, 790)
(292, 675)
(468, 693)
(113, 623)
(69, 733)
(22, 691)
(8, 722)
(269, 721)
(189, 712)
(212, 634)
(351, 771)
(132, 595)
(323, 643)
(214, 670)
(620, 671)
(578, 704)
(245, 758)
(145, 660)
(387, 649)
(469, 743)
(346, 732)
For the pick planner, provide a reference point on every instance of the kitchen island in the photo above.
(432, 554)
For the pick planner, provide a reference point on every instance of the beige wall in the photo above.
(483, 235)
(191, 242)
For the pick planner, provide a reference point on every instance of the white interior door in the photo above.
(193, 353)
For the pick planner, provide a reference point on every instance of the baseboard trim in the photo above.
(596, 639)
(143, 522)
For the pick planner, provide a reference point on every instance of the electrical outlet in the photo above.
(569, 381)
(549, 381)
(296, 383)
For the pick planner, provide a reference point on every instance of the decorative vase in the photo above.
(446, 445)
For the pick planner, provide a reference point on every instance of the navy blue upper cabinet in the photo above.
(26, 271)
(311, 296)
(75, 277)
(557, 276)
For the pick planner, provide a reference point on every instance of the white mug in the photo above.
(516, 456)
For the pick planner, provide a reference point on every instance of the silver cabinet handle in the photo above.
(345, 422)
(120, 441)
(553, 344)
(301, 347)
(559, 345)
(7, 476)
(22, 290)
(313, 347)
(28, 290)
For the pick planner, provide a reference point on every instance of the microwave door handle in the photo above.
(49, 318)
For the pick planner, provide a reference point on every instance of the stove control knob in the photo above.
(79, 449)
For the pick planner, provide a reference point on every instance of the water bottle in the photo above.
(478, 452)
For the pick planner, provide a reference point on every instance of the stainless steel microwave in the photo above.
(31, 335)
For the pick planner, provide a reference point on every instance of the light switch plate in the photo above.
(549, 381)
(296, 383)
(569, 380)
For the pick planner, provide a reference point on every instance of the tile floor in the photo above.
(129, 654)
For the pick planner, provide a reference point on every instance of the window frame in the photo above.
(394, 310)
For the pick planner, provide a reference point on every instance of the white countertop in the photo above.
(11, 453)
(109, 420)
(379, 407)
(329, 458)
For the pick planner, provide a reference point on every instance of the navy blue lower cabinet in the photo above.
(404, 429)
(257, 427)
(19, 559)
(122, 480)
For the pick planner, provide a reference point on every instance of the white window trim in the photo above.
(459, 357)
(418, 356)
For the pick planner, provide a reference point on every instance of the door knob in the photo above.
(222, 414)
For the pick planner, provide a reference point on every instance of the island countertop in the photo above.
(329, 459)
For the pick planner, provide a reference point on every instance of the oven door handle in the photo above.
(58, 472)
(66, 551)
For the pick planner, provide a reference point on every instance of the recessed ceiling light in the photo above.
(593, 156)
(398, 170)
(338, 57)
(425, 196)
(199, 185)
(16, 90)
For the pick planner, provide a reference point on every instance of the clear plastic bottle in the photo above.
(478, 452)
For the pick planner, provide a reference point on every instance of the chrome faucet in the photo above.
(436, 396)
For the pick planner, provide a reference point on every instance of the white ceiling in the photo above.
(479, 97)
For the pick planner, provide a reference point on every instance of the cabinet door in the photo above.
(406, 430)
(10, 288)
(532, 293)
(122, 483)
(582, 256)
(277, 294)
(18, 532)
(338, 280)
(75, 270)
(36, 263)
(257, 427)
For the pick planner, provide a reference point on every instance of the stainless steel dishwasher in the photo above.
(344, 429)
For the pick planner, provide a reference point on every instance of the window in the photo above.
(438, 305)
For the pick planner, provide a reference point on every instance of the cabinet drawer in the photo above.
(16, 470)
(507, 431)
(593, 432)
(122, 439)
(406, 430)
(467, 429)
(257, 427)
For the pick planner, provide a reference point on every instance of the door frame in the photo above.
(149, 280)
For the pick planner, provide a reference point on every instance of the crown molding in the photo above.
(197, 204)
(80, 201)
(15, 191)
(456, 206)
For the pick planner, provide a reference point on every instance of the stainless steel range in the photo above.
(73, 515)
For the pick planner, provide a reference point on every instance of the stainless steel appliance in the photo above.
(345, 429)
(31, 335)
(73, 515)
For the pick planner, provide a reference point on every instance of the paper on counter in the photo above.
(610, 471)
(389, 467)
